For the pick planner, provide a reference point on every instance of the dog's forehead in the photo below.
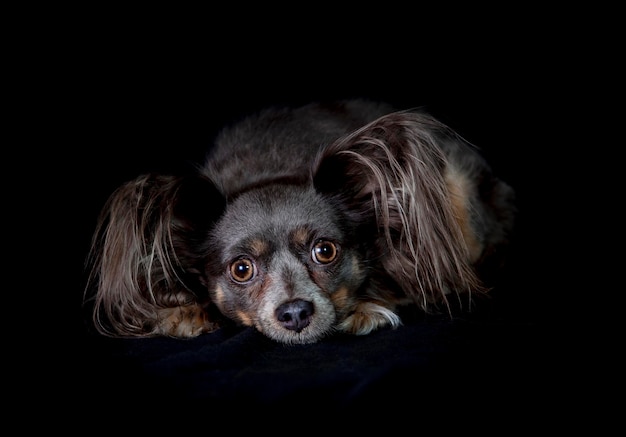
(277, 211)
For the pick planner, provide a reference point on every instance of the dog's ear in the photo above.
(147, 250)
(391, 172)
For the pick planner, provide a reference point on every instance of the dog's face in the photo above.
(281, 260)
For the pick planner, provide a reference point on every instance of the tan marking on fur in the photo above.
(219, 296)
(458, 185)
(369, 317)
(300, 236)
(244, 318)
(184, 321)
(341, 298)
(258, 247)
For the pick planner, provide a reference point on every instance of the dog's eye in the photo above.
(242, 270)
(324, 252)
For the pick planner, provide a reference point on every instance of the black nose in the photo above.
(295, 315)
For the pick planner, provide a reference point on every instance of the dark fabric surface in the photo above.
(114, 101)
(435, 359)
(502, 360)
(497, 357)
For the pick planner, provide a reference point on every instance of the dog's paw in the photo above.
(184, 322)
(368, 317)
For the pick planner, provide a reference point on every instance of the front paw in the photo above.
(368, 317)
(184, 322)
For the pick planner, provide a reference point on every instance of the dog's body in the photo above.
(302, 222)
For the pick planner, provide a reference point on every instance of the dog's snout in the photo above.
(295, 315)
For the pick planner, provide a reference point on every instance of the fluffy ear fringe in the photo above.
(144, 252)
(393, 170)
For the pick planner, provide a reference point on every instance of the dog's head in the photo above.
(285, 260)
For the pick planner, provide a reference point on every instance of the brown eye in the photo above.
(324, 252)
(242, 270)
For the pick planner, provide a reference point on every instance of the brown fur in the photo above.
(302, 222)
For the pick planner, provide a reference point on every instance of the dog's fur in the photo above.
(302, 222)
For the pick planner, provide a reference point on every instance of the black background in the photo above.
(120, 99)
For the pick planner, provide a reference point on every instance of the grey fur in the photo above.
(302, 222)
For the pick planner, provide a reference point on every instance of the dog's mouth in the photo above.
(298, 321)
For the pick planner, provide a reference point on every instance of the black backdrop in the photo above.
(133, 108)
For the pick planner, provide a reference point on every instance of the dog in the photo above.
(302, 222)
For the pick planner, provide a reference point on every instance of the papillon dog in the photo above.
(302, 222)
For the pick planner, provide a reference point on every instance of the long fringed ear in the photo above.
(146, 251)
(394, 171)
